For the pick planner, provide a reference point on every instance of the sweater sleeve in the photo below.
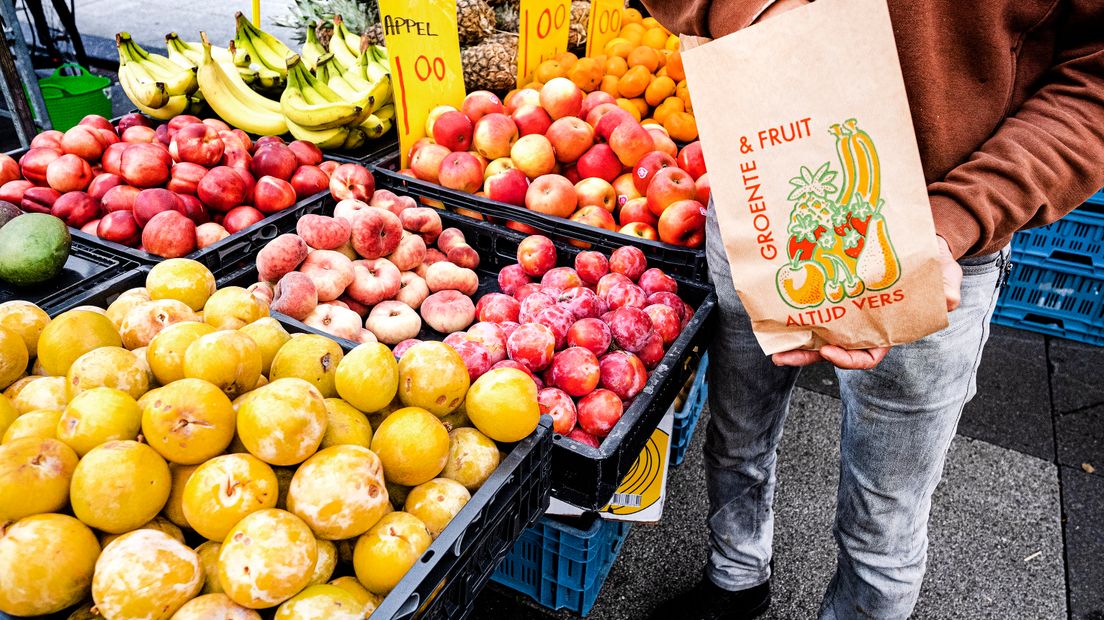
(1042, 161)
(704, 18)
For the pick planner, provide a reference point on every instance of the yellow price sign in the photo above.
(424, 46)
(606, 17)
(544, 26)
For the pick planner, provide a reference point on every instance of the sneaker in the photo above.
(707, 601)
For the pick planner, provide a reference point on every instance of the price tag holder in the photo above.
(424, 46)
(544, 26)
(606, 18)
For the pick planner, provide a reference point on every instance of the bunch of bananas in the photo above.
(159, 87)
(263, 53)
(234, 101)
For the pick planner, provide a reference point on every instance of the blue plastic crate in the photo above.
(562, 566)
(686, 420)
(1053, 299)
(1075, 241)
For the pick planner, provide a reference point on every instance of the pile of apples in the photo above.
(562, 153)
(168, 190)
(365, 273)
(588, 336)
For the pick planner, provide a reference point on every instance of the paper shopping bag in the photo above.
(816, 178)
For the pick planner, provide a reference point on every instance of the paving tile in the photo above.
(1083, 504)
(1080, 439)
(1012, 405)
(820, 378)
(1075, 375)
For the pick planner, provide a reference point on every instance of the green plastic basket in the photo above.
(71, 97)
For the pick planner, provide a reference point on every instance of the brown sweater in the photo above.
(1007, 99)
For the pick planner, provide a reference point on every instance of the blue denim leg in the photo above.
(748, 400)
(898, 422)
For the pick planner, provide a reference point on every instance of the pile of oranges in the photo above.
(641, 68)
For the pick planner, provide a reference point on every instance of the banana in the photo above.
(386, 113)
(846, 153)
(378, 66)
(312, 49)
(356, 139)
(339, 43)
(311, 115)
(374, 127)
(866, 150)
(178, 80)
(140, 89)
(234, 101)
(863, 176)
(264, 47)
(193, 51)
(333, 138)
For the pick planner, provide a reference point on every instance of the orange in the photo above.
(662, 72)
(632, 16)
(634, 82)
(651, 22)
(633, 33)
(600, 59)
(509, 96)
(629, 107)
(669, 105)
(674, 67)
(645, 57)
(682, 127)
(567, 60)
(609, 86)
(619, 47)
(655, 38)
(682, 92)
(673, 43)
(650, 121)
(641, 106)
(586, 74)
(616, 66)
(535, 85)
(659, 90)
(549, 70)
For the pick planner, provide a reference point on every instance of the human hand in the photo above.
(952, 274)
(847, 359)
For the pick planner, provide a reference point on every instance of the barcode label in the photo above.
(626, 499)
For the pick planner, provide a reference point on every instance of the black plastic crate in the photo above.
(689, 263)
(445, 581)
(584, 476)
(372, 150)
(224, 252)
(87, 270)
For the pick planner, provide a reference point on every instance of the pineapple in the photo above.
(507, 15)
(492, 64)
(475, 20)
(359, 15)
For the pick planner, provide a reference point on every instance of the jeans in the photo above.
(898, 422)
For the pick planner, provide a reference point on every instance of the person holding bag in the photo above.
(1007, 102)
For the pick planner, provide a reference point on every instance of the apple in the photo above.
(598, 412)
(661, 140)
(335, 321)
(35, 161)
(596, 217)
(68, 173)
(596, 192)
(625, 187)
(599, 161)
(210, 234)
(76, 208)
(593, 100)
(426, 163)
(531, 120)
(139, 133)
(631, 142)
(561, 98)
(509, 186)
(637, 211)
(502, 164)
(702, 190)
(331, 272)
(683, 223)
(272, 159)
(640, 230)
(691, 159)
(667, 187)
(240, 218)
(607, 119)
(198, 143)
(351, 181)
(453, 130)
(221, 189)
(375, 232)
(272, 195)
(518, 98)
(169, 234)
(461, 171)
(413, 289)
(119, 198)
(145, 165)
(647, 168)
(84, 142)
(119, 227)
(537, 255)
(571, 137)
(374, 281)
(448, 311)
(392, 322)
(533, 154)
(434, 114)
(494, 135)
(150, 202)
(551, 194)
(306, 153)
(481, 103)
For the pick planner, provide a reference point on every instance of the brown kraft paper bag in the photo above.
(816, 178)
